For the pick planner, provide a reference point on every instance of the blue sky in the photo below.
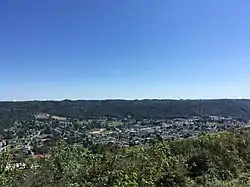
(98, 49)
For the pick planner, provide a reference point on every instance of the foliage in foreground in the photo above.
(220, 160)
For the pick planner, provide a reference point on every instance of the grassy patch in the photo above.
(115, 123)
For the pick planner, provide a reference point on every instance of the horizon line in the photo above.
(123, 99)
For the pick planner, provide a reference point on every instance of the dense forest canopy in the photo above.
(123, 108)
(220, 159)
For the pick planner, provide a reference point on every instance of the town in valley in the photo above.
(34, 137)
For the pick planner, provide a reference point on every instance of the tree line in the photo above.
(220, 159)
(85, 109)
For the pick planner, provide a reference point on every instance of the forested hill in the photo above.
(123, 108)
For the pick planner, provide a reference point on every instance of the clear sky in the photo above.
(98, 49)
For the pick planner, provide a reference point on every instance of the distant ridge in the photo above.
(148, 108)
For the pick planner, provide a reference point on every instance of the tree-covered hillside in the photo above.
(220, 159)
(122, 108)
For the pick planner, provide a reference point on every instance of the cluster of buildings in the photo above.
(147, 131)
(36, 136)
